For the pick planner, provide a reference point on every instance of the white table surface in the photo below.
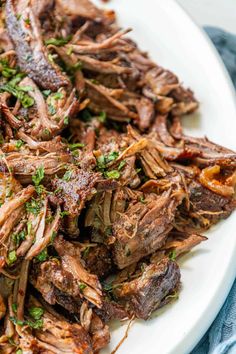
(221, 13)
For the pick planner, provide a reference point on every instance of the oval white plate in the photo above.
(174, 41)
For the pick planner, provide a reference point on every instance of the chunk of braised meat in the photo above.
(206, 208)
(75, 188)
(144, 226)
(177, 244)
(185, 102)
(32, 55)
(25, 164)
(98, 260)
(150, 290)
(58, 335)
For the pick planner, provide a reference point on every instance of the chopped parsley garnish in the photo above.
(27, 21)
(19, 351)
(33, 206)
(42, 256)
(66, 120)
(18, 91)
(142, 200)
(51, 109)
(77, 66)
(6, 70)
(58, 95)
(67, 176)
(114, 174)
(19, 143)
(17, 238)
(86, 252)
(103, 160)
(29, 227)
(121, 165)
(14, 307)
(58, 42)
(64, 213)
(38, 176)
(102, 117)
(76, 146)
(82, 286)
(11, 257)
(46, 93)
(54, 234)
(172, 255)
(36, 312)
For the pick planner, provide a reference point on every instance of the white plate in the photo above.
(163, 29)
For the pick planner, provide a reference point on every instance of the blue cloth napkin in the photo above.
(221, 336)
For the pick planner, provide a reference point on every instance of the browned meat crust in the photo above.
(31, 55)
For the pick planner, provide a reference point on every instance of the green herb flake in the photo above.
(11, 257)
(66, 120)
(19, 351)
(102, 117)
(52, 238)
(121, 165)
(85, 253)
(14, 307)
(67, 176)
(72, 147)
(114, 174)
(42, 256)
(27, 21)
(64, 213)
(58, 96)
(51, 109)
(46, 93)
(77, 66)
(58, 42)
(33, 207)
(17, 238)
(18, 91)
(19, 144)
(36, 312)
(172, 255)
(29, 227)
(82, 286)
(38, 176)
(142, 200)
(17, 322)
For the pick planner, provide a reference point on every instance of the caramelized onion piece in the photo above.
(207, 180)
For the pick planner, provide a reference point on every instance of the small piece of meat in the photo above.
(143, 227)
(58, 336)
(25, 165)
(31, 53)
(149, 291)
(145, 109)
(178, 243)
(75, 190)
(161, 81)
(160, 127)
(99, 332)
(72, 270)
(185, 101)
(98, 260)
(206, 208)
